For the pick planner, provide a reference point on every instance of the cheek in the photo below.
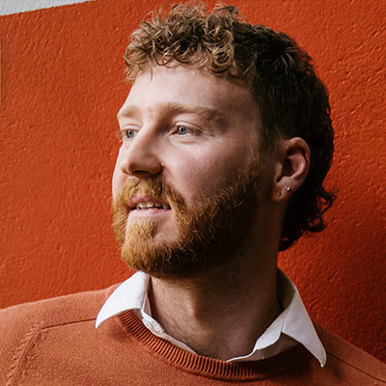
(201, 177)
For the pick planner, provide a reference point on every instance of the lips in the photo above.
(147, 202)
(149, 205)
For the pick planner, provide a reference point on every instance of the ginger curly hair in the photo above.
(292, 100)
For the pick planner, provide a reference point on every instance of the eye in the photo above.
(130, 133)
(182, 130)
(125, 135)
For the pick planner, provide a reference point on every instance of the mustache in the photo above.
(149, 187)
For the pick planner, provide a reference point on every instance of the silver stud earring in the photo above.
(287, 188)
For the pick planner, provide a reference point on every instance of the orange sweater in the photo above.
(55, 342)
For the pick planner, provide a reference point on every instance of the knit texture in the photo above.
(55, 342)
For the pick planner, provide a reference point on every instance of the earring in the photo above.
(287, 189)
(278, 193)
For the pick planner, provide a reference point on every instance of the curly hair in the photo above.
(292, 100)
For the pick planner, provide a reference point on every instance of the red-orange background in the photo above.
(62, 84)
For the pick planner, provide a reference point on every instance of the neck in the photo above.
(221, 313)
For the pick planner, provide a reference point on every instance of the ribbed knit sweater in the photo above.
(55, 342)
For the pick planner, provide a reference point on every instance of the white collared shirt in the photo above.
(292, 325)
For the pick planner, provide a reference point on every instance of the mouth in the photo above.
(151, 205)
(147, 203)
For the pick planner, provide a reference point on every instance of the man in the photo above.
(226, 141)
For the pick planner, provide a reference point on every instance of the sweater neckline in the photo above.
(209, 367)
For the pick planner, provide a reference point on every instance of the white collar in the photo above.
(293, 322)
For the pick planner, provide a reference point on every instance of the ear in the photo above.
(291, 167)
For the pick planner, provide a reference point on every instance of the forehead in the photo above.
(180, 88)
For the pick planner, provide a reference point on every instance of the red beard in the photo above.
(208, 236)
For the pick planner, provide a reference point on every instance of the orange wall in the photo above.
(62, 85)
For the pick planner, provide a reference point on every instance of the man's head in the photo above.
(260, 81)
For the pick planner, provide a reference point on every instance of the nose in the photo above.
(141, 157)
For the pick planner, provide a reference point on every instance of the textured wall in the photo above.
(62, 85)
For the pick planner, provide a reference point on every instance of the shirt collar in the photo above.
(130, 295)
(293, 322)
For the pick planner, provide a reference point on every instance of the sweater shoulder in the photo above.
(57, 310)
(19, 324)
(345, 358)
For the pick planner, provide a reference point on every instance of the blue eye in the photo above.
(130, 133)
(181, 130)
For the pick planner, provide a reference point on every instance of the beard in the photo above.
(207, 236)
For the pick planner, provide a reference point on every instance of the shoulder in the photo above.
(349, 363)
(21, 324)
(56, 310)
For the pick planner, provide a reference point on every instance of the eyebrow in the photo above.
(175, 109)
